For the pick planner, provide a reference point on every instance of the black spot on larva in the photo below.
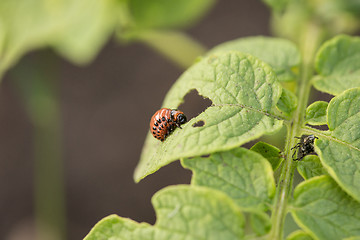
(156, 124)
(165, 123)
(199, 123)
(163, 118)
(168, 120)
(154, 128)
(158, 131)
(159, 120)
(154, 132)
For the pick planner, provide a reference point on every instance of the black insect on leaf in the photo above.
(304, 147)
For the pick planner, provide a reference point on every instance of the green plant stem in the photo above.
(39, 89)
(176, 46)
(309, 43)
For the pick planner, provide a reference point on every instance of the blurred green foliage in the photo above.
(78, 29)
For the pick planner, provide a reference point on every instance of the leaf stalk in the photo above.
(176, 46)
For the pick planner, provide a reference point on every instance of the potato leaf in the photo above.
(338, 65)
(183, 212)
(244, 92)
(76, 28)
(243, 175)
(316, 113)
(282, 55)
(310, 166)
(287, 102)
(320, 206)
(339, 151)
(271, 153)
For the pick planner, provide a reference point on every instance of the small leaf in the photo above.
(287, 102)
(320, 206)
(260, 223)
(340, 151)
(167, 14)
(299, 235)
(282, 55)
(338, 65)
(270, 152)
(316, 113)
(183, 212)
(310, 166)
(243, 175)
(244, 92)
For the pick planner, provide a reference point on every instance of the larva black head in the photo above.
(181, 119)
(178, 116)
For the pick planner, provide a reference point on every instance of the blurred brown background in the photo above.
(106, 108)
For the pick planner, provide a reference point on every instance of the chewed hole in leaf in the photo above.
(199, 123)
(194, 104)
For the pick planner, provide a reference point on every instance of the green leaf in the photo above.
(340, 11)
(338, 65)
(270, 152)
(244, 93)
(287, 102)
(183, 212)
(260, 223)
(282, 55)
(316, 113)
(310, 166)
(339, 151)
(321, 207)
(167, 14)
(89, 25)
(115, 227)
(243, 175)
(299, 235)
(76, 28)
